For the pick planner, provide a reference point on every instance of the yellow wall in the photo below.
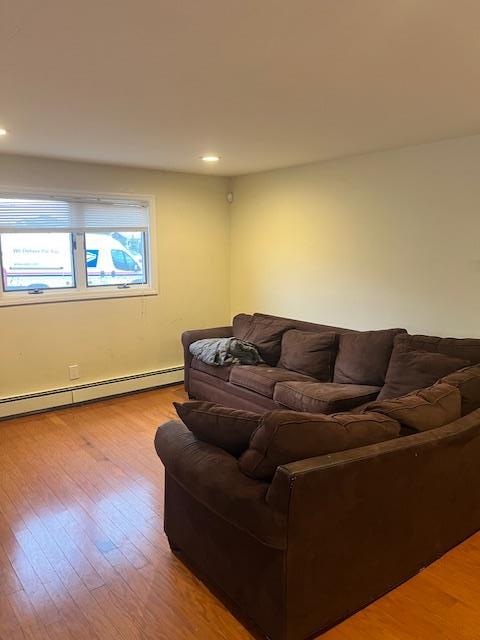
(110, 338)
(378, 240)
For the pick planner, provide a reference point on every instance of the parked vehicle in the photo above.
(109, 262)
(44, 261)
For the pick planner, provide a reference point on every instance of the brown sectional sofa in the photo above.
(299, 546)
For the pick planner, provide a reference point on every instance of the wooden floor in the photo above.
(83, 554)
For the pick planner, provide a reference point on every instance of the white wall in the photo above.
(378, 240)
(110, 338)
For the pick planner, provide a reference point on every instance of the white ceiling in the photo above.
(263, 83)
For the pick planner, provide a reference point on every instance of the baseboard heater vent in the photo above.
(33, 402)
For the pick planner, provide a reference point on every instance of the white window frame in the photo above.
(81, 291)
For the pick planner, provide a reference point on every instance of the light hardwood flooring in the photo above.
(83, 554)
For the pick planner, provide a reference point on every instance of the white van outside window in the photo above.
(65, 248)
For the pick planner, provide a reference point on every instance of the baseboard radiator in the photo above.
(54, 398)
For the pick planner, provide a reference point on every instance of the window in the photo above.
(63, 248)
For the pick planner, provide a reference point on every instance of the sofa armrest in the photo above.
(212, 477)
(199, 334)
(362, 521)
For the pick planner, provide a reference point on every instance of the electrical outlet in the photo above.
(74, 372)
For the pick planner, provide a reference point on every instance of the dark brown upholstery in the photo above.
(262, 379)
(307, 549)
(287, 436)
(192, 336)
(241, 325)
(411, 370)
(229, 429)
(217, 372)
(228, 491)
(309, 352)
(328, 535)
(424, 409)
(468, 383)
(302, 325)
(204, 386)
(363, 356)
(464, 348)
(323, 397)
(265, 332)
(417, 362)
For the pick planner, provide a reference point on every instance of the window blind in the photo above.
(74, 215)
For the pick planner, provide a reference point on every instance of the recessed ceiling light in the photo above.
(210, 158)
(3, 132)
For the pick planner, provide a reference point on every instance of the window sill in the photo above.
(15, 300)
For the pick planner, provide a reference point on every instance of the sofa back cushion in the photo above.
(303, 325)
(467, 381)
(242, 323)
(265, 332)
(310, 353)
(287, 436)
(411, 369)
(363, 356)
(228, 429)
(467, 349)
(422, 410)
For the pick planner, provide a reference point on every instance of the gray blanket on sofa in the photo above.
(221, 352)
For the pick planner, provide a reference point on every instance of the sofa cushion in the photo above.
(241, 325)
(467, 381)
(423, 410)
(287, 436)
(218, 372)
(412, 370)
(323, 397)
(467, 349)
(264, 332)
(229, 429)
(363, 356)
(310, 353)
(262, 379)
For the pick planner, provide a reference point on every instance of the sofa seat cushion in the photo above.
(262, 379)
(287, 436)
(363, 356)
(217, 372)
(423, 410)
(229, 429)
(467, 381)
(323, 397)
(311, 353)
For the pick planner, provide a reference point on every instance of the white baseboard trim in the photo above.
(54, 398)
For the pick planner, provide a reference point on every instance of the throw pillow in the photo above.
(423, 410)
(288, 436)
(467, 381)
(228, 429)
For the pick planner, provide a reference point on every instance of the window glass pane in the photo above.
(36, 261)
(114, 258)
